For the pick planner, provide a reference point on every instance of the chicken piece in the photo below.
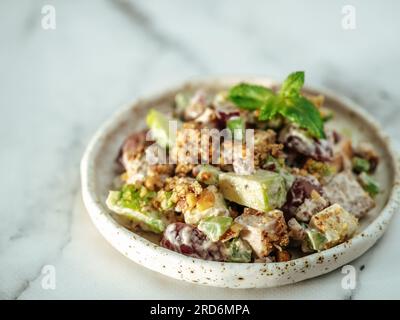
(296, 230)
(197, 105)
(335, 224)
(311, 206)
(345, 190)
(264, 231)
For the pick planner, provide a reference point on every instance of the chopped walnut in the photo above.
(282, 256)
(182, 169)
(265, 145)
(188, 151)
(185, 192)
(342, 153)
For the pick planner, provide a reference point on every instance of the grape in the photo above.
(300, 190)
(132, 146)
(296, 140)
(190, 241)
(226, 112)
(319, 150)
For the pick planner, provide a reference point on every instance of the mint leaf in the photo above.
(292, 84)
(249, 96)
(270, 108)
(288, 103)
(301, 111)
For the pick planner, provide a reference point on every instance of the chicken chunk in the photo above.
(335, 224)
(296, 230)
(345, 190)
(264, 231)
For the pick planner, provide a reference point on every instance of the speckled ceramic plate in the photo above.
(97, 170)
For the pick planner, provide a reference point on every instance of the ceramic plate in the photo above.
(98, 172)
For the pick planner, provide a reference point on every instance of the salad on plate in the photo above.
(248, 174)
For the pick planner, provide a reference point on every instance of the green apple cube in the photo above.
(159, 126)
(215, 227)
(264, 190)
(207, 174)
(315, 239)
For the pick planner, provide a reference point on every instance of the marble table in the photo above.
(57, 86)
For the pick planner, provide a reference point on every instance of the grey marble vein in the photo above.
(140, 20)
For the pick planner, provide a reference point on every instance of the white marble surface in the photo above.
(57, 87)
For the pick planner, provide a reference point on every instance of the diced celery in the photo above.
(237, 126)
(164, 198)
(360, 164)
(369, 184)
(215, 227)
(238, 250)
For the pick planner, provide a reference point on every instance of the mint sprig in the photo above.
(250, 96)
(288, 102)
